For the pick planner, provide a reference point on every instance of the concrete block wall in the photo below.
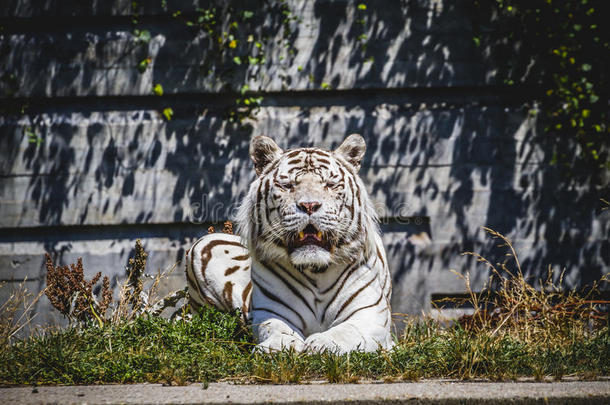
(450, 148)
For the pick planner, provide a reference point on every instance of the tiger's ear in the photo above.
(263, 151)
(352, 149)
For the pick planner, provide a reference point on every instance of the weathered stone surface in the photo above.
(567, 391)
(397, 135)
(453, 168)
(421, 253)
(408, 44)
(109, 168)
(91, 164)
(412, 266)
(127, 8)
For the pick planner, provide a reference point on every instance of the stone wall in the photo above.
(88, 163)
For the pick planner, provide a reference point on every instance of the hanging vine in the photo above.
(235, 35)
(564, 57)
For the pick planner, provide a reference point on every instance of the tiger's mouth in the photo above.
(310, 235)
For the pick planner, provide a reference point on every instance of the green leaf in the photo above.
(144, 36)
(247, 14)
(143, 65)
(237, 60)
(168, 113)
(362, 6)
(158, 90)
(586, 67)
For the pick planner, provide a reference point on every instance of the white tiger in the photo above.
(314, 274)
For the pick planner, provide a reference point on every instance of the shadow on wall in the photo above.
(445, 141)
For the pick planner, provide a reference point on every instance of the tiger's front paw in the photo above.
(280, 342)
(321, 342)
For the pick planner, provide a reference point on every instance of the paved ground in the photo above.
(429, 392)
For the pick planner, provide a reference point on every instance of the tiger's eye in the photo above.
(285, 186)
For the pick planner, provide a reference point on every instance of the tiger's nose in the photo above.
(309, 207)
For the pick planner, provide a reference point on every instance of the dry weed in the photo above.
(16, 312)
(509, 304)
(227, 227)
(135, 270)
(149, 300)
(72, 295)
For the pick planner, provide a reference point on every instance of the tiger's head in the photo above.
(308, 206)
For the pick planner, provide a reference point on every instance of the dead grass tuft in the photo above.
(16, 313)
(139, 295)
(510, 305)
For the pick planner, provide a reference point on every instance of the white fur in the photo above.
(310, 255)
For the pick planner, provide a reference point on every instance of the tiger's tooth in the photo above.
(302, 235)
(319, 235)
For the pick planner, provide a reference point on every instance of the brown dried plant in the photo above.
(135, 270)
(228, 227)
(16, 312)
(511, 305)
(139, 294)
(72, 295)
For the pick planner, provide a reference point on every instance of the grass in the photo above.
(213, 346)
(516, 331)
